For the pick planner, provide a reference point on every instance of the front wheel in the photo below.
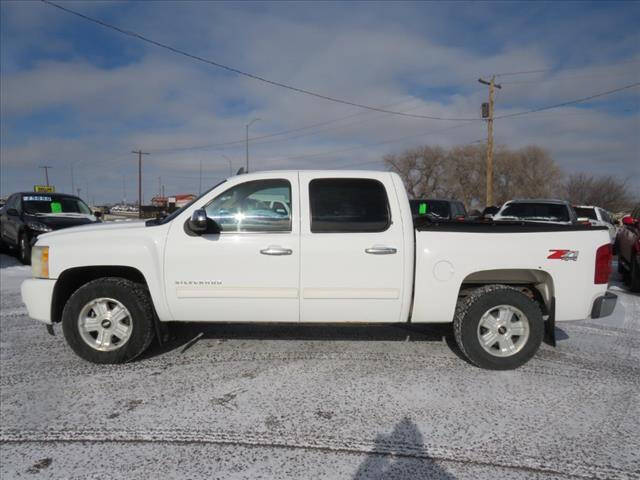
(24, 249)
(498, 327)
(108, 320)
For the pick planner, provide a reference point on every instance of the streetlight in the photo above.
(230, 165)
(247, 138)
(71, 164)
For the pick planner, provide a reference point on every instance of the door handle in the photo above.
(377, 250)
(274, 250)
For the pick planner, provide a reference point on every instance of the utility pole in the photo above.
(247, 140)
(139, 153)
(72, 183)
(46, 173)
(200, 184)
(159, 186)
(488, 114)
(124, 192)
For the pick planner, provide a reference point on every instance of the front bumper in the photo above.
(37, 295)
(603, 306)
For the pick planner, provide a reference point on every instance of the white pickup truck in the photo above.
(317, 246)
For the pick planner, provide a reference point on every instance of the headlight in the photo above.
(39, 227)
(40, 262)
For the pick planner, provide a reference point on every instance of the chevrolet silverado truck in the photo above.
(317, 247)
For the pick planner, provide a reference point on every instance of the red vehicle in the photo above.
(628, 247)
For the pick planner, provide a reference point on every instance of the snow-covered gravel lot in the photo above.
(319, 403)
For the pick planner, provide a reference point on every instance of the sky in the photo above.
(80, 97)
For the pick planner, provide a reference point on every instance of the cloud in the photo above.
(95, 95)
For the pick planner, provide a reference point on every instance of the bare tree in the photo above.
(421, 169)
(606, 192)
(460, 173)
(529, 172)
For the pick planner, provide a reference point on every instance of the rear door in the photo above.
(352, 261)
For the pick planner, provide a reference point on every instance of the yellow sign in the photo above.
(44, 188)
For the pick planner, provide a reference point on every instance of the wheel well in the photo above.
(537, 284)
(70, 280)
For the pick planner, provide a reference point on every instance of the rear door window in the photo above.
(348, 205)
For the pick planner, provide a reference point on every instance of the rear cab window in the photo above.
(348, 205)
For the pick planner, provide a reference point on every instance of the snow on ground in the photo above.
(315, 402)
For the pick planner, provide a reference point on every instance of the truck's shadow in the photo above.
(185, 335)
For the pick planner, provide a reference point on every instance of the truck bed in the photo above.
(424, 224)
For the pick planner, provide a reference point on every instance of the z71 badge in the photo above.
(563, 255)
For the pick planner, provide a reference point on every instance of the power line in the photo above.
(543, 70)
(376, 144)
(270, 135)
(251, 75)
(564, 77)
(570, 102)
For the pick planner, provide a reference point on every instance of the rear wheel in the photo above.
(108, 320)
(498, 327)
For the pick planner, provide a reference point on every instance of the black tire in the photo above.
(133, 296)
(634, 276)
(24, 249)
(620, 267)
(469, 313)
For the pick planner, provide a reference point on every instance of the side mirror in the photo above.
(13, 212)
(198, 221)
(626, 220)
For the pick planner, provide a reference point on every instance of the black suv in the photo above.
(438, 209)
(28, 214)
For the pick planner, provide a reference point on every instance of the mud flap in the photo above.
(550, 324)
(50, 329)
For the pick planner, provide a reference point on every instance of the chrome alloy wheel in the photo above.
(105, 324)
(503, 330)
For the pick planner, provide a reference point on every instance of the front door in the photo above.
(250, 271)
(352, 265)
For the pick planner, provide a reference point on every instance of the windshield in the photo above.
(173, 215)
(436, 208)
(583, 212)
(52, 205)
(536, 211)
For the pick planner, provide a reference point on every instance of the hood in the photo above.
(61, 220)
(96, 227)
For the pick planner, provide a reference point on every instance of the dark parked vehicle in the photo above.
(438, 209)
(628, 248)
(28, 214)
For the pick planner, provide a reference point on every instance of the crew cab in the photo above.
(27, 214)
(344, 249)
